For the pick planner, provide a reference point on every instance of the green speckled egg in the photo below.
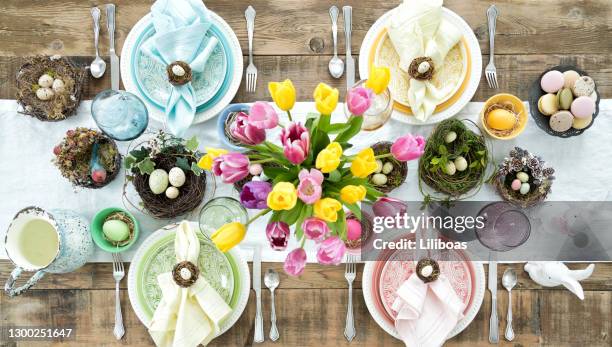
(116, 230)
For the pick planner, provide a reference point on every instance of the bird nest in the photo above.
(73, 157)
(62, 104)
(398, 175)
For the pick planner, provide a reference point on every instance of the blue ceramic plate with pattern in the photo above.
(152, 79)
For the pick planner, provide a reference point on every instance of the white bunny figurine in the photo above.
(555, 273)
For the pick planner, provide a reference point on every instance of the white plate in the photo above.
(368, 296)
(155, 112)
(474, 77)
(243, 269)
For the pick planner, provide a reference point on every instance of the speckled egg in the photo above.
(501, 119)
(172, 193)
(158, 181)
(116, 230)
(460, 164)
(516, 184)
(522, 176)
(524, 188)
(176, 177)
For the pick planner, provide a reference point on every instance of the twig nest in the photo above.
(185, 274)
(428, 270)
(179, 73)
(421, 68)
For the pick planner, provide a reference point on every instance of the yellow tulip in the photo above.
(326, 98)
(228, 236)
(282, 197)
(352, 194)
(379, 79)
(364, 163)
(206, 161)
(283, 94)
(329, 158)
(327, 209)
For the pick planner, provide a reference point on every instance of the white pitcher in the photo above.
(57, 241)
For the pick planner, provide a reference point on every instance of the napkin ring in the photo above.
(428, 270)
(185, 274)
(421, 68)
(179, 73)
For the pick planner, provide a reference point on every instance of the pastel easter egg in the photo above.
(524, 188)
(116, 230)
(583, 107)
(501, 119)
(516, 184)
(552, 81)
(158, 181)
(522, 176)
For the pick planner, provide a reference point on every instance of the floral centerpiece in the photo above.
(313, 180)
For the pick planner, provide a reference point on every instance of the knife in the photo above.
(259, 333)
(347, 12)
(493, 323)
(114, 59)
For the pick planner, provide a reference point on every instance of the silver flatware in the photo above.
(114, 59)
(259, 334)
(118, 273)
(509, 280)
(98, 65)
(347, 12)
(350, 273)
(251, 71)
(272, 280)
(493, 322)
(490, 70)
(336, 65)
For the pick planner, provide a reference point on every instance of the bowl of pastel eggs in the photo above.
(564, 101)
(114, 230)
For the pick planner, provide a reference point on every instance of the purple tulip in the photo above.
(254, 194)
(389, 207)
(315, 229)
(295, 262)
(232, 167)
(359, 100)
(278, 235)
(296, 142)
(245, 132)
(331, 251)
(408, 147)
(263, 116)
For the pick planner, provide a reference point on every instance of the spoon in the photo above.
(336, 65)
(272, 280)
(98, 66)
(509, 281)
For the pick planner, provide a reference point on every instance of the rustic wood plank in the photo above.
(542, 318)
(98, 276)
(515, 75)
(291, 27)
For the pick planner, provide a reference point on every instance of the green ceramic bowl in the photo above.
(98, 236)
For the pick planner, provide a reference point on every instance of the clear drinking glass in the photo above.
(379, 112)
(220, 211)
(119, 114)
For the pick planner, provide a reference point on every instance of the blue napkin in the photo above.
(180, 34)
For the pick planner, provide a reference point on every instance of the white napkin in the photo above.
(426, 312)
(416, 29)
(190, 316)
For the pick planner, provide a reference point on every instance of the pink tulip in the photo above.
(389, 207)
(315, 229)
(295, 262)
(309, 189)
(353, 229)
(359, 100)
(296, 142)
(278, 235)
(245, 132)
(263, 116)
(232, 167)
(408, 147)
(331, 251)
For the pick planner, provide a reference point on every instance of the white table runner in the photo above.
(583, 167)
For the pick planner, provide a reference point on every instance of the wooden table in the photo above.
(293, 40)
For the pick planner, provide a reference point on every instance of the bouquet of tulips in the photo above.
(309, 182)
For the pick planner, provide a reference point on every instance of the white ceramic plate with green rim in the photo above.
(227, 272)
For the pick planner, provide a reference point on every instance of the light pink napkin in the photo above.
(426, 313)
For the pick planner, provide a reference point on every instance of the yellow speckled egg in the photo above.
(501, 119)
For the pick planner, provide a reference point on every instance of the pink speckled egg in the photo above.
(552, 81)
(516, 184)
(583, 107)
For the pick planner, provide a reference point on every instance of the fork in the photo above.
(118, 273)
(490, 70)
(350, 273)
(251, 71)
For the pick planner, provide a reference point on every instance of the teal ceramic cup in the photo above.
(98, 235)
